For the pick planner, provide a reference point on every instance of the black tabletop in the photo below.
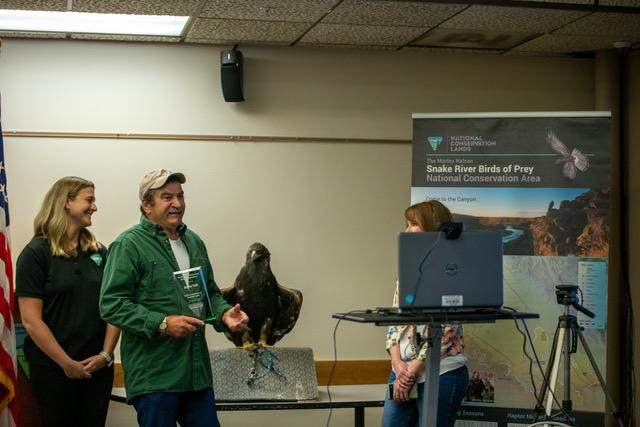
(388, 316)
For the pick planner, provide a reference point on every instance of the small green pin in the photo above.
(97, 258)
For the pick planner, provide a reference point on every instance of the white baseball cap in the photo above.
(156, 179)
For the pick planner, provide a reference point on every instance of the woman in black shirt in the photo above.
(69, 347)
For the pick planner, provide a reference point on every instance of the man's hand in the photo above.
(235, 319)
(182, 326)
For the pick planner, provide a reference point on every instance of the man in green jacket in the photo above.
(165, 358)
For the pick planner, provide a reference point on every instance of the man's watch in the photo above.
(162, 329)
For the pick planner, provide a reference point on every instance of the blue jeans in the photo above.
(452, 389)
(189, 409)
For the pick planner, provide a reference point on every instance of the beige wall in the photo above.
(327, 211)
(92, 86)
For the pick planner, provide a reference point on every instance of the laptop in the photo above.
(436, 273)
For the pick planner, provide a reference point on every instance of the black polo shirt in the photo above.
(69, 289)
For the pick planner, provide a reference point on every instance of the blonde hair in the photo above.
(52, 219)
(428, 215)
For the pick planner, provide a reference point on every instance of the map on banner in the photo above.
(529, 287)
(543, 181)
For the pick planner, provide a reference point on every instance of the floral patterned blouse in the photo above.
(412, 339)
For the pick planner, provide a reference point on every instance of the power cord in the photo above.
(551, 423)
(628, 412)
(526, 336)
(581, 295)
(335, 359)
(628, 389)
(416, 287)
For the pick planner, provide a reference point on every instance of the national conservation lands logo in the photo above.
(97, 258)
(434, 142)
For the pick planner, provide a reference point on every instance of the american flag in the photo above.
(8, 382)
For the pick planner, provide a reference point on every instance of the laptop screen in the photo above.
(437, 273)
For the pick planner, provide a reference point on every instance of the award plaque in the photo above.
(194, 294)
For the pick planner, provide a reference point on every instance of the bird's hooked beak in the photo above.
(253, 254)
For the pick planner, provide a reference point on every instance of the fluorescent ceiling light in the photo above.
(97, 23)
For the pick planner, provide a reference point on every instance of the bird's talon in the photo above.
(249, 346)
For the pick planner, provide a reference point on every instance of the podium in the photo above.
(435, 319)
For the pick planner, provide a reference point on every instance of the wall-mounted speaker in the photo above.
(231, 75)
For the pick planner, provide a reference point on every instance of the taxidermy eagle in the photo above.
(272, 309)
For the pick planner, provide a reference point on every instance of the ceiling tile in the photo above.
(561, 1)
(48, 5)
(393, 13)
(137, 7)
(627, 3)
(449, 50)
(473, 39)
(268, 10)
(521, 19)
(621, 25)
(348, 46)
(240, 30)
(560, 43)
(373, 24)
(25, 35)
(227, 43)
(361, 35)
(544, 54)
(126, 38)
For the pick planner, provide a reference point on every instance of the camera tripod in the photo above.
(565, 342)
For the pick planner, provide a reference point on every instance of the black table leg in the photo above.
(359, 416)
